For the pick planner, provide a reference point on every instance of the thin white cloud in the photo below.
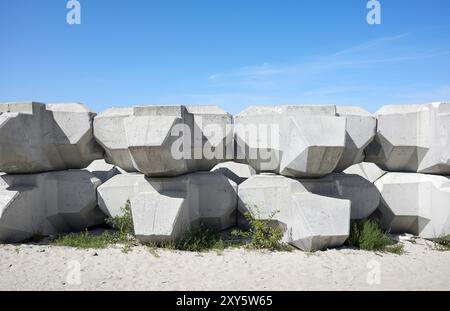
(382, 50)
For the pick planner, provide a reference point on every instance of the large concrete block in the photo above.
(103, 171)
(412, 138)
(363, 195)
(164, 209)
(38, 137)
(237, 172)
(360, 131)
(47, 204)
(163, 141)
(413, 203)
(369, 171)
(309, 221)
(295, 141)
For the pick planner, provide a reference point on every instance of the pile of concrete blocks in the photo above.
(44, 189)
(310, 170)
(412, 145)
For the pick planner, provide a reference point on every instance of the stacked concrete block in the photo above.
(412, 138)
(163, 141)
(363, 195)
(237, 172)
(104, 171)
(163, 209)
(42, 146)
(309, 221)
(369, 171)
(303, 141)
(37, 137)
(290, 140)
(414, 203)
(47, 204)
(360, 131)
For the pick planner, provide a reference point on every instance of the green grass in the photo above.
(263, 234)
(124, 223)
(123, 235)
(367, 235)
(86, 240)
(442, 243)
(195, 240)
(199, 240)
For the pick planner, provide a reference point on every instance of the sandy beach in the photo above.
(45, 267)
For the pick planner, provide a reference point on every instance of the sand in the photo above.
(45, 267)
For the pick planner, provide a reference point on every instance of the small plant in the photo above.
(442, 243)
(123, 224)
(368, 235)
(263, 233)
(124, 234)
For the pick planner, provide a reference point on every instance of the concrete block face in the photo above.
(164, 209)
(413, 138)
(165, 141)
(37, 137)
(290, 140)
(414, 203)
(363, 195)
(369, 171)
(47, 204)
(237, 172)
(309, 221)
(360, 131)
(103, 171)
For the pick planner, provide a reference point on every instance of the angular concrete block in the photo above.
(360, 131)
(38, 137)
(363, 195)
(413, 203)
(47, 204)
(163, 209)
(369, 171)
(309, 221)
(412, 138)
(103, 170)
(163, 141)
(237, 172)
(294, 141)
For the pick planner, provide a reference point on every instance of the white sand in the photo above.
(32, 267)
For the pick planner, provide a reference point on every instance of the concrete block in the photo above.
(412, 138)
(37, 137)
(414, 203)
(47, 204)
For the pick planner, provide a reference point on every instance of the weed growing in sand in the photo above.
(263, 233)
(195, 240)
(442, 243)
(368, 235)
(124, 223)
(198, 240)
(124, 234)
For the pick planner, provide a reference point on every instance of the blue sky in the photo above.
(230, 53)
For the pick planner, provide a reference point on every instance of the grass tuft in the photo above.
(368, 235)
(86, 240)
(442, 243)
(263, 234)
